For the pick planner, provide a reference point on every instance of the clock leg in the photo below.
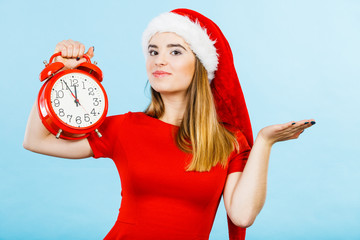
(98, 133)
(58, 134)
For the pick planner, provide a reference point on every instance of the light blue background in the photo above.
(295, 60)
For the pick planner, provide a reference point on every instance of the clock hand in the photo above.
(69, 89)
(84, 108)
(76, 99)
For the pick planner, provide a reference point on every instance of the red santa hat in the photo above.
(213, 50)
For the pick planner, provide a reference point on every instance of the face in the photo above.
(170, 64)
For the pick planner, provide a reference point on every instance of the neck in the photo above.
(174, 109)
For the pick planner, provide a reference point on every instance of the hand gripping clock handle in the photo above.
(59, 54)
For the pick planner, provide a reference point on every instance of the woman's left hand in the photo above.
(282, 132)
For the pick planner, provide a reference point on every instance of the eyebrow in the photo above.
(169, 46)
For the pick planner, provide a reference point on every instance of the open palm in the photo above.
(286, 131)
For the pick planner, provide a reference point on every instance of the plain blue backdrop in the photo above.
(295, 60)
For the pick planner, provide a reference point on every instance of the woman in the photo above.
(189, 146)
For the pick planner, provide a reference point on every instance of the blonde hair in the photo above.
(200, 132)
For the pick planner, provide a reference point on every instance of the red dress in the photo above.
(160, 200)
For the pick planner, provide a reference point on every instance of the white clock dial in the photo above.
(77, 100)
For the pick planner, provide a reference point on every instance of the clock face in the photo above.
(77, 100)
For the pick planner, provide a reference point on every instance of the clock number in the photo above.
(74, 83)
(59, 93)
(78, 120)
(69, 117)
(62, 85)
(91, 91)
(61, 112)
(56, 102)
(96, 101)
(83, 85)
(87, 118)
(93, 112)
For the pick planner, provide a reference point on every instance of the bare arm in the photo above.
(245, 193)
(37, 138)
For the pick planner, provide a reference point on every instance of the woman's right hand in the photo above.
(72, 53)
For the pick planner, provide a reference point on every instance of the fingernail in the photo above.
(93, 48)
(292, 123)
(313, 122)
(306, 122)
(77, 59)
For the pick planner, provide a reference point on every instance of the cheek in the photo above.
(187, 70)
(148, 67)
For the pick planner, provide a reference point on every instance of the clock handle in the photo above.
(59, 53)
(53, 56)
(87, 58)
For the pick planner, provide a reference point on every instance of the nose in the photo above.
(160, 60)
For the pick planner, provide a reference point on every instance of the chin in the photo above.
(165, 87)
(160, 87)
(163, 90)
(168, 91)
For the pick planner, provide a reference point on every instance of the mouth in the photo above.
(160, 74)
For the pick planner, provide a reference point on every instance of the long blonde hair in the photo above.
(200, 132)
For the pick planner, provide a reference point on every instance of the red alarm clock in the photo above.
(72, 103)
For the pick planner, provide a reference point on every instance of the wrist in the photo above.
(261, 139)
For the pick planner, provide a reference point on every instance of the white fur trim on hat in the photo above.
(191, 32)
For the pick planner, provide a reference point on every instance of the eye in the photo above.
(176, 52)
(153, 52)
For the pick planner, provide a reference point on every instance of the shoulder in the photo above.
(129, 117)
(115, 118)
(122, 117)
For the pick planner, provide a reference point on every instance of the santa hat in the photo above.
(213, 50)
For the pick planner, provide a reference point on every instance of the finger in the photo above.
(291, 126)
(308, 123)
(81, 50)
(64, 52)
(297, 134)
(295, 128)
(90, 52)
(281, 127)
(81, 60)
(304, 123)
(70, 50)
(76, 50)
(64, 48)
(298, 126)
(291, 123)
(59, 46)
(293, 135)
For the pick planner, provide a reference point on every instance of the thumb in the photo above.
(90, 52)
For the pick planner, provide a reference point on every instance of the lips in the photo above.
(160, 74)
